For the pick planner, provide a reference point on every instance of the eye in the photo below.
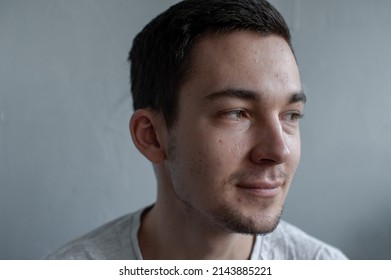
(235, 114)
(292, 117)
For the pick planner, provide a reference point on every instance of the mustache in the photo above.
(274, 174)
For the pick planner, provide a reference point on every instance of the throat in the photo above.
(162, 238)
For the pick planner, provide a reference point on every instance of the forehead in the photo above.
(242, 59)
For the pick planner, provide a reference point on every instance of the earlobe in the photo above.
(143, 129)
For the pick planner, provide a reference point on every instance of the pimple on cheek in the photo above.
(196, 167)
(218, 161)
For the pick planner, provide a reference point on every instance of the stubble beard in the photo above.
(233, 220)
(223, 216)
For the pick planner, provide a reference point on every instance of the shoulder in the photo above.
(290, 242)
(110, 241)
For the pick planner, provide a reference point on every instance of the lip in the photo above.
(262, 189)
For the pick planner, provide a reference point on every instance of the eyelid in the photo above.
(294, 116)
(234, 113)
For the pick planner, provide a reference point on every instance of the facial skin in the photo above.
(236, 144)
(226, 165)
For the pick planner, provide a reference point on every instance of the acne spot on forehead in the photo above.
(281, 76)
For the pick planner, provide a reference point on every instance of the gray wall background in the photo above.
(67, 163)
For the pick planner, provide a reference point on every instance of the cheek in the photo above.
(208, 155)
(213, 156)
(209, 152)
(294, 145)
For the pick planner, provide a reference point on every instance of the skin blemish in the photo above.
(283, 77)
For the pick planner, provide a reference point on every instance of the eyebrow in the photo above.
(238, 93)
(296, 97)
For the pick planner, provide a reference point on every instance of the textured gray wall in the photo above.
(67, 163)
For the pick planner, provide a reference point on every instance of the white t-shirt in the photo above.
(117, 240)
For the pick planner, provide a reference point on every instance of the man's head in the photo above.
(162, 53)
(221, 121)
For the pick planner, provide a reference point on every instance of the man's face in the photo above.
(235, 146)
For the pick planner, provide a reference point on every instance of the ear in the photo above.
(143, 129)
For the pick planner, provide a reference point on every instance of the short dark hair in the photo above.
(161, 53)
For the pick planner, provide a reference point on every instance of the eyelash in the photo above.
(235, 114)
(294, 116)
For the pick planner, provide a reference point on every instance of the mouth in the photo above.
(263, 189)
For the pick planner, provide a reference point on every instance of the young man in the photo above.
(217, 99)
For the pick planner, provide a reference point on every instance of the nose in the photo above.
(271, 144)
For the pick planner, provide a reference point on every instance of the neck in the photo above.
(170, 232)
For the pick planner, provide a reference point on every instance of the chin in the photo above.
(234, 221)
